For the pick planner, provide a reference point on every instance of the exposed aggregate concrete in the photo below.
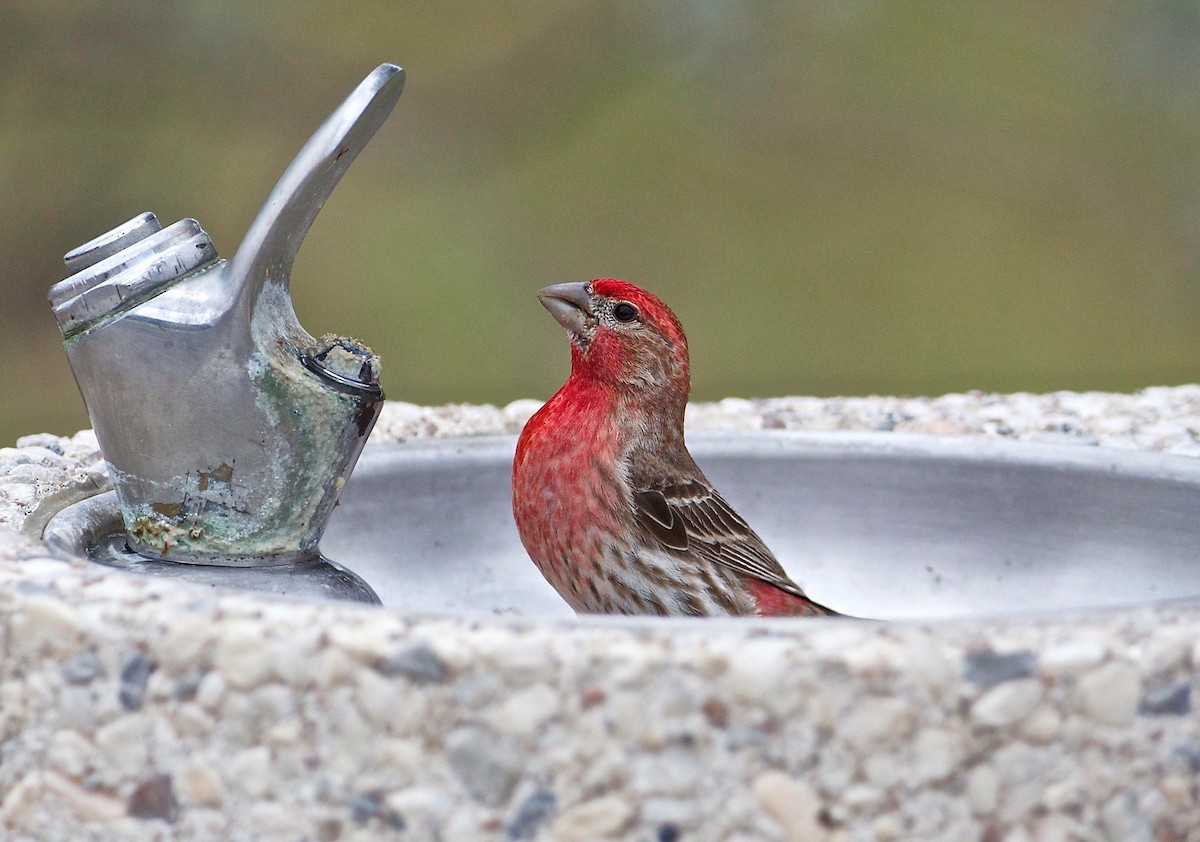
(138, 708)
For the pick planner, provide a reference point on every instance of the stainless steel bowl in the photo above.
(873, 524)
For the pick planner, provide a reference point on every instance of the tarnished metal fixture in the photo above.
(228, 429)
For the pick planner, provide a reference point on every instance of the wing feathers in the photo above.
(659, 519)
(689, 515)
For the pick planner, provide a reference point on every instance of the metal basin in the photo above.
(875, 525)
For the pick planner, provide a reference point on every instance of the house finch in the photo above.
(609, 503)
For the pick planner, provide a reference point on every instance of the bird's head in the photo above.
(621, 336)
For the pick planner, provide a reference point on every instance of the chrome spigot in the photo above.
(228, 429)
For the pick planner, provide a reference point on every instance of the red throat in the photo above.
(626, 363)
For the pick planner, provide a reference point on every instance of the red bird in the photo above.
(609, 503)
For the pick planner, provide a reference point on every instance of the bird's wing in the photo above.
(690, 517)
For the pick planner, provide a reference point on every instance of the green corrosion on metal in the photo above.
(155, 531)
(312, 419)
(270, 503)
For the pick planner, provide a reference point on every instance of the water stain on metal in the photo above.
(222, 474)
(170, 510)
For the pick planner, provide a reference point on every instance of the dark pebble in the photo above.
(418, 663)
(532, 814)
(329, 830)
(669, 833)
(1189, 755)
(82, 669)
(154, 798)
(987, 668)
(1172, 699)
(188, 685)
(716, 712)
(134, 676)
(366, 807)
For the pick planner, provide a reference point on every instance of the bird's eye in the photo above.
(624, 312)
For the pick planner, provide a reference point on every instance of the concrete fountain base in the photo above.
(135, 708)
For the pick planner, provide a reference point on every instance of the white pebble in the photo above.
(1072, 658)
(1057, 827)
(199, 785)
(187, 641)
(377, 697)
(241, 654)
(211, 690)
(658, 810)
(514, 660)
(293, 656)
(673, 771)
(345, 716)
(792, 803)
(1062, 794)
(86, 806)
(330, 667)
(523, 713)
(877, 720)
(936, 755)
(983, 790)
(38, 473)
(78, 708)
(250, 771)
(1042, 725)
(44, 456)
(424, 808)
(888, 827)
(274, 701)
(1109, 695)
(882, 769)
(600, 818)
(1167, 650)
(1008, 703)
(368, 642)
(275, 821)
(1121, 820)
(874, 655)
(860, 796)
(1020, 800)
(759, 672)
(48, 625)
(18, 803)
(12, 456)
(1178, 792)
(19, 493)
(402, 755)
(39, 440)
(124, 746)
(71, 753)
(285, 732)
(838, 766)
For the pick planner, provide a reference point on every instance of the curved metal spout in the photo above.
(228, 429)
(269, 248)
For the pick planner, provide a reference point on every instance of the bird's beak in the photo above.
(570, 305)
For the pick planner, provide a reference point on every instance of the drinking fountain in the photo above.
(228, 431)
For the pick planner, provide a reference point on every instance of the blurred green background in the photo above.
(836, 198)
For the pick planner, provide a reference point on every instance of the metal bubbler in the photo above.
(228, 430)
